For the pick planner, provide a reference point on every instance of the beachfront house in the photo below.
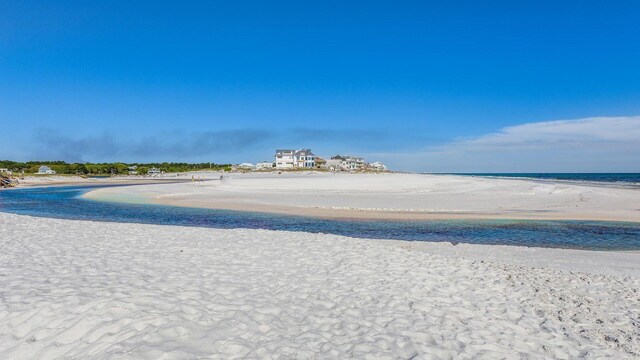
(333, 165)
(378, 166)
(320, 162)
(246, 166)
(264, 165)
(305, 158)
(285, 159)
(289, 159)
(153, 171)
(350, 163)
(45, 170)
(133, 170)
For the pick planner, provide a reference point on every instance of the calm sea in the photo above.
(65, 203)
(620, 178)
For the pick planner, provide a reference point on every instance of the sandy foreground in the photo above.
(79, 289)
(392, 196)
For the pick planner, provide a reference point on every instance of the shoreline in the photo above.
(58, 181)
(366, 214)
(604, 184)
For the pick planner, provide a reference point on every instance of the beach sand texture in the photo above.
(78, 289)
(393, 196)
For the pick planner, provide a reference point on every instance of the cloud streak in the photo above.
(175, 146)
(599, 144)
(238, 145)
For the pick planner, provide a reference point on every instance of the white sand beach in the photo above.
(78, 289)
(392, 196)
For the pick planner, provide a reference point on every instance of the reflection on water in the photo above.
(64, 202)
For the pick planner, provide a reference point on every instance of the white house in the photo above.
(305, 158)
(350, 163)
(378, 166)
(353, 163)
(289, 159)
(285, 159)
(45, 170)
(153, 171)
(264, 165)
(246, 166)
(333, 165)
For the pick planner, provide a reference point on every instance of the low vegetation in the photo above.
(61, 167)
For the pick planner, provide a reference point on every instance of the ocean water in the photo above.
(65, 203)
(610, 178)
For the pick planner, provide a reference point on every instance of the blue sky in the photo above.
(423, 86)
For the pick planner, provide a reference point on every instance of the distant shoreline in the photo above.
(561, 178)
(70, 180)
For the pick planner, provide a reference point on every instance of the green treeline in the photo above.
(61, 167)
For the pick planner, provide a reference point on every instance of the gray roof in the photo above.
(300, 152)
(305, 152)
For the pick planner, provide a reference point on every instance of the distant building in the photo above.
(333, 165)
(45, 170)
(289, 159)
(320, 162)
(305, 158)
(133, 170)
(378, 166)
(154, 171)
(264, 165)
(348, 162)
(285, 159)
(351, 163)
(345, 163)
(246, 166)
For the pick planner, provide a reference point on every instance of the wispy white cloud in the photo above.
(593, 144)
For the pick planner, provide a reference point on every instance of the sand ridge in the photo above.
(393, 196)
